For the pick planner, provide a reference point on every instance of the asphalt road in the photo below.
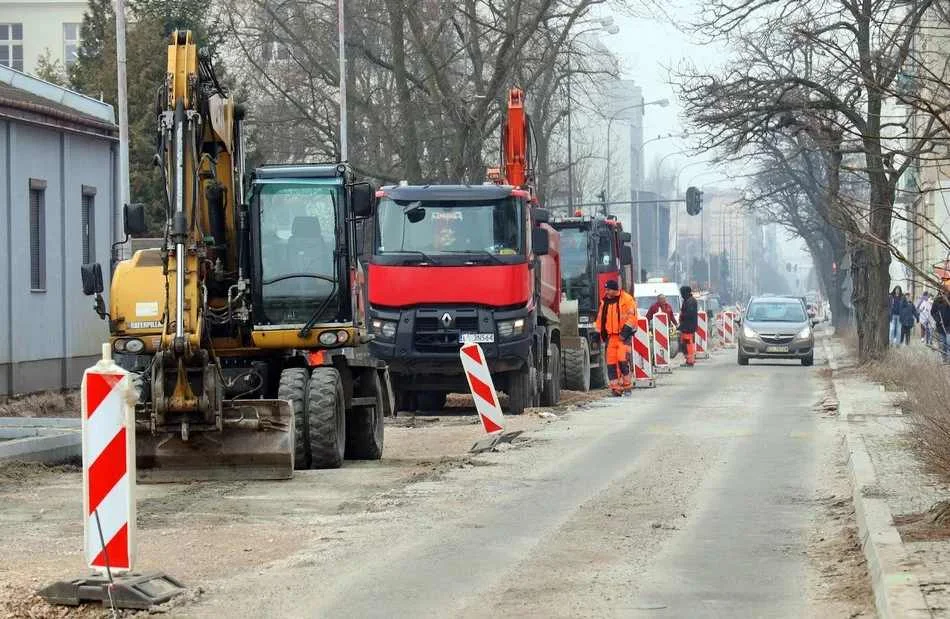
(700, 498)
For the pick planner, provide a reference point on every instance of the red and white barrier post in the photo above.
(108, 496)
(642, 360)
(661, 344)
(720, 329)
(702, 336)
(486, 398)
(729, 329)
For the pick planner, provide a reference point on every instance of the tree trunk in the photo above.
(410, 153)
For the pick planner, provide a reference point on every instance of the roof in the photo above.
(413, 193)
(31, 99)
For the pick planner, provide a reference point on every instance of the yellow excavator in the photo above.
(244, 330)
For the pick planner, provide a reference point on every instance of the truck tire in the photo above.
(551, 392)
(364, 424)
(327, 417)
(577, 370)
(598, 375)
(431, 401)
(521, 387)
(293, 388)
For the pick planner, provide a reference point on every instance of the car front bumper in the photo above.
(757, 349)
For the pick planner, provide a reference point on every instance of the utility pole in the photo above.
(570, 142)
(123, 105)
(344, 146)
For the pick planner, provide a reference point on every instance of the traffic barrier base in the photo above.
(482, 386)
(108, 461)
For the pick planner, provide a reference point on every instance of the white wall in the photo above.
(42, 26)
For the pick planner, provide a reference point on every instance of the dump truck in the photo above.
(244, 330)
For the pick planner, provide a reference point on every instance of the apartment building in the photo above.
(31, 30)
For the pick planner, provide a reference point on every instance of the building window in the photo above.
(11, 46)
(70, 43)
(37, 235)
(88, 224)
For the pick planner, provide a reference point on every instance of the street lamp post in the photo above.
(615, 116)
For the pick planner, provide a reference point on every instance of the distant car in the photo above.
(776, 328)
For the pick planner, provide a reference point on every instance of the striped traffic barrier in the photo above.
(661, 344)
(729, 329)
(720, 329)
(642, 361)
(482, 386)
(108, 496)
(702, 336)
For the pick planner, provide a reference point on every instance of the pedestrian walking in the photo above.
(616, 325)
(689, 322)
(897, 299)
(926, 319)
(908, 316)
(941, 317)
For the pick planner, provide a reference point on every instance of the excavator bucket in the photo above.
(257, 443)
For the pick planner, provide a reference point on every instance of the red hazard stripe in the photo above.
(98, 387)
(472, 351)
(117, 549)
(661, 339)
(107, 470)
(490, 426)
(481, 389)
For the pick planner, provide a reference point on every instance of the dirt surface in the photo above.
(45, 404)
(720, 493)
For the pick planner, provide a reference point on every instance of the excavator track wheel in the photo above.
(293, 388)
(326, 418)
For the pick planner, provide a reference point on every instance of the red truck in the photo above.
(468, 263)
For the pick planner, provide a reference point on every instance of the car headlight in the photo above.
(328, 338)
(385, 328)
(748, 332)
(511, 328)
(805, 333)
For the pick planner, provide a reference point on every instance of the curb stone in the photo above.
(896, 590)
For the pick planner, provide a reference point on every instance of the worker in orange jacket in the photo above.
(616, 324)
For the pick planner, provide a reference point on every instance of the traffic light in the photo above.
(694, 201)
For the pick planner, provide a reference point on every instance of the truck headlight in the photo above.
(328, 338)
(747, 332)
(385, 328)
(511, 328)
(805, 333)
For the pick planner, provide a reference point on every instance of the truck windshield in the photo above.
(482, 231)
(298, 239)
(577, 281)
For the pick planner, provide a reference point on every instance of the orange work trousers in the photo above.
(618, 364)
(689, 345)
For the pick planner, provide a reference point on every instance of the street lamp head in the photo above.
(612, 29)
(663, 102)
(607, 22)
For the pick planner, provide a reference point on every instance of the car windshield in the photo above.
(765, 311)
(298, 239)
(432, 228)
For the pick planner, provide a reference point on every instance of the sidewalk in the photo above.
(909, 570)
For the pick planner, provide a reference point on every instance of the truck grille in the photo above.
(431, 335)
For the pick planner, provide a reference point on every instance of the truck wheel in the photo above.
(577, 370)
(521, 387)
(551, 392)
(431, 401)
(598, 375)
(327, 418)
(364, 424)
(293, 388)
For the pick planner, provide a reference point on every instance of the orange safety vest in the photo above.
(611, 317)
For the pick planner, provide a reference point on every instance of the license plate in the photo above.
(776, 349)
(476, 338)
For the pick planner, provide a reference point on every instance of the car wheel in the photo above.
(742, 359)
(809, 360)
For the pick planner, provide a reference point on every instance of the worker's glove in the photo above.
(627, 333)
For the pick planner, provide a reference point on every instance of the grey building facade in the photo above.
(58, 200)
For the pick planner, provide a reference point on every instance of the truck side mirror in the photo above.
(626, 255)
(91, 279)
(539, 241)
(625, 237)
(134, 216)
(363, 199)
(541, 216)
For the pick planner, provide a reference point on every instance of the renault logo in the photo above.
(446, 320)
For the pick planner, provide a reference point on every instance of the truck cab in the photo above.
(454, 264)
